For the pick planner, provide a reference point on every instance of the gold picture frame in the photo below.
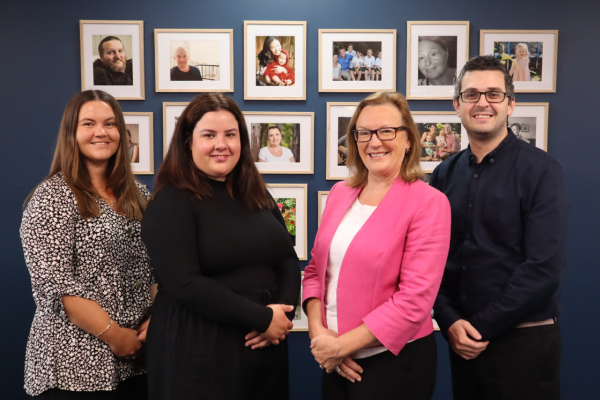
(211, 51)
(338, 113)
(543, 42)
(383, 40)
(451, 37)
(145, 141)
(171, 111)
(294, 33)
(131, 35)
(302, 126)
(298, 191)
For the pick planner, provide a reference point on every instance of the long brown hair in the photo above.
(178, 168)
(410, 170)
(69, 161)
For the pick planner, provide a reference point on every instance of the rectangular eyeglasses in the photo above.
(493, 96)
(383, 134)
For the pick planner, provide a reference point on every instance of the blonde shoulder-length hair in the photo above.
(410, 170)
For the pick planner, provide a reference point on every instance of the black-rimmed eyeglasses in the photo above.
(383, 134)
(493, 96)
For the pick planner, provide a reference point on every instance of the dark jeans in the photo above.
(523, 364)
(135, 388)
(410, 375)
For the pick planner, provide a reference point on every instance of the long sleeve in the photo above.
(445, 313)
(169, 231)
(536, 279)
(397, 320)
(270, 71)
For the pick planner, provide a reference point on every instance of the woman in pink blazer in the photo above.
(377, 263)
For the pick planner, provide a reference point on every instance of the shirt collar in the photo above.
(493, 156)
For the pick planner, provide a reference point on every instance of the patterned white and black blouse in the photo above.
(102, 259)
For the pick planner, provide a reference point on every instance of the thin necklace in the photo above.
(112, 203)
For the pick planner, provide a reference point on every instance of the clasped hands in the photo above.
(465, 340)
(278, 329)
(327, 350)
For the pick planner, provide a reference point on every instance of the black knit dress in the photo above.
(218, 264)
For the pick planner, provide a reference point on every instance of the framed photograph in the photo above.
(282, 142)
(357, 60)
(322, 202)
(274, 60)
(193, 60)
(291, 200)
(112, 57)
(300, 320)
(338, 120)
(442, 135)
(140, 132)
(529, 56)
(437, 51)
(529, 122)
(171, 113)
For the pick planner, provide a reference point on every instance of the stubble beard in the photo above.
(114, 67)
(487, 135)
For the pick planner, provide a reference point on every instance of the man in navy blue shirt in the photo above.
(497, 304)
(344, 60)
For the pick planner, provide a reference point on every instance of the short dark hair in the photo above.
(106, 39)
(485, 63)
(342, 47)
(178, 168)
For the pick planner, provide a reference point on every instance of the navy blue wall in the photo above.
(40, 71)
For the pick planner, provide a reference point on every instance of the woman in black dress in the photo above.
(224, 262)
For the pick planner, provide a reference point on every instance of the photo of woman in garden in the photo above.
(276, 143)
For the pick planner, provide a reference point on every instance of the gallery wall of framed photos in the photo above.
(57, 45)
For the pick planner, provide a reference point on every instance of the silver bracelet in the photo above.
(105, 329)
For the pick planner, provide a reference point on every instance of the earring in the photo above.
(407, 151)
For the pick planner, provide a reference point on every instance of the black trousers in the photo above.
(410, 375)
(135, 388)
(523, 364)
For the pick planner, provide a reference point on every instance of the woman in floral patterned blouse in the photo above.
(90, 271)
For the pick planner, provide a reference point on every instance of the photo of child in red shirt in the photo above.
(284, 78)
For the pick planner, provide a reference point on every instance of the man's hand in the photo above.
(462, 344)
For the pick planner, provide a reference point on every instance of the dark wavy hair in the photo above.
(69, 161)
(178, 168)
(265, 57)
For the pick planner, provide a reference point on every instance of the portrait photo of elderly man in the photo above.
(182, 71)
(113, 67)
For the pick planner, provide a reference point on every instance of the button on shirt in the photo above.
(508, 245)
